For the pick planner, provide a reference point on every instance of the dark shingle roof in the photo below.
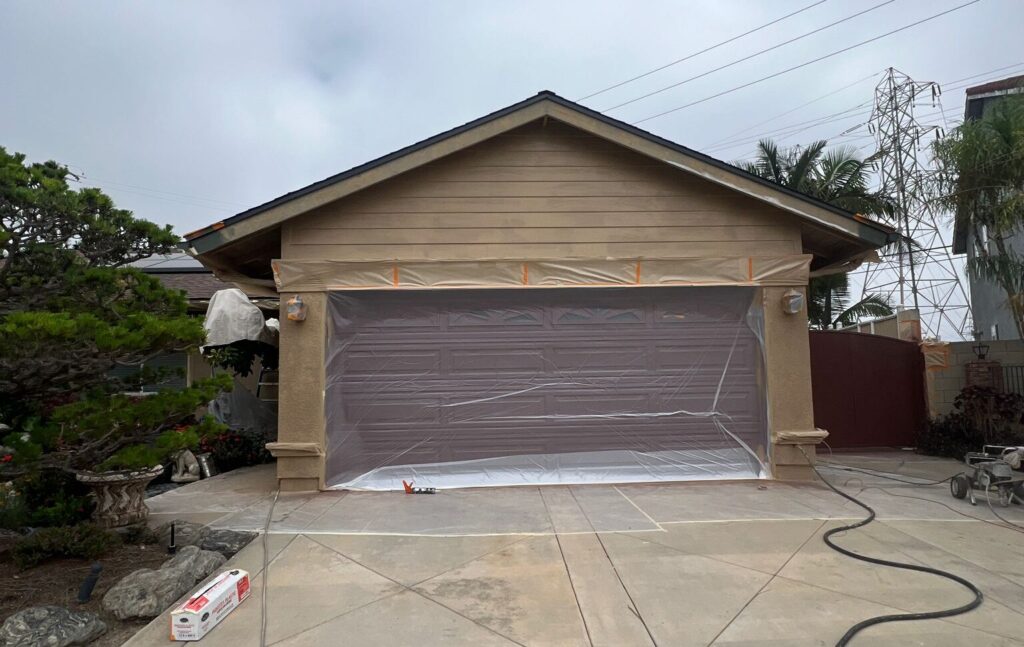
(197, 285)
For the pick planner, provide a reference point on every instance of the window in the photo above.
(995, 332)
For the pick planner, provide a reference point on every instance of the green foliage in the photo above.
(135, 457)
(70, 308)
(116, 431)
(980, 416)
(82, 541)
(13, 512)
(139, 535)
(44, 499)
(240, 356)
(828, 299)
(838, 177)
(981, 178)
(232, 449)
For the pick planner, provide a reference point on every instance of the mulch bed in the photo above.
(56, 582)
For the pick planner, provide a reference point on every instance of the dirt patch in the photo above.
(56, 582)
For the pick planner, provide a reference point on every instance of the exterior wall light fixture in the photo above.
(296, 309)
(792, 302)
(980, 348)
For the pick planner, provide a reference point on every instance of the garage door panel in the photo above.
(496, 317)
(604, 317)
(370, 362)
(617, 358)
(472, 359)
(616, 374)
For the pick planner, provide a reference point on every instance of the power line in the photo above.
(125, 187)
(750, 56)
(735, 135)
(998, 69)
(800, 126)
(784, 132)
(157, 196)
(783, 114)
(703, 51)
(810, 62)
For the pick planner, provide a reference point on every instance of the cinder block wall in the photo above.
(945, 384)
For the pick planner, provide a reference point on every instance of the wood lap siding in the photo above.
(541, 192)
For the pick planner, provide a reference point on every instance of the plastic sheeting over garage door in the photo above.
(458, 388)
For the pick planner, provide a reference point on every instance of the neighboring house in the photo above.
(988, 301)
(542, 295)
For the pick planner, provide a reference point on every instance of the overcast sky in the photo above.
(188, 112)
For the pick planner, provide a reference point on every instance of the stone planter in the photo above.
(120, 496)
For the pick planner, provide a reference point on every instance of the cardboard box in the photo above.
(208, 606)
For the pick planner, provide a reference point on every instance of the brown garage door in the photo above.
(475, 387)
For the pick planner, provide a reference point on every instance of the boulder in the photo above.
(186, 533)
(145, 593)
(195, 561)
(227, 542)
(50, 626)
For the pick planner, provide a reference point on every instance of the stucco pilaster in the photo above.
(788, 374)
(300, 445)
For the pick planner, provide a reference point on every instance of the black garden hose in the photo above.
(898, 617)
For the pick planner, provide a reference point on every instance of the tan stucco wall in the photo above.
(542, 192)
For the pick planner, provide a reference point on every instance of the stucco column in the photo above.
(788, 371)
(300, 445)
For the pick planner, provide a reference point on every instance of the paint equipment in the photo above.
(991, 469)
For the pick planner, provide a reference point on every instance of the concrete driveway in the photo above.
(682, 564)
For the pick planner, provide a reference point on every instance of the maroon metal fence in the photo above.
(868, 390)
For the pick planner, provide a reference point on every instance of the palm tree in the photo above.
(839, 177)
(827, 299)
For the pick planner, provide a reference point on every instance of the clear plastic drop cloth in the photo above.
(469, 388)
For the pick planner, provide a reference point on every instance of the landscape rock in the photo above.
(227, 542)
(145, 593)
(195, 561)
(186, 533)
(50, 626)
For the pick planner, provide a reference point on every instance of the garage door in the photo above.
(458, 388)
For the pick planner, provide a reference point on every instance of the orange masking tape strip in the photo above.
(394, 279)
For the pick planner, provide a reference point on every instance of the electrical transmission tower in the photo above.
(919, 271)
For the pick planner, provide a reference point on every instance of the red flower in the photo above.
(7, 458)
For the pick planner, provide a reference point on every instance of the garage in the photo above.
(542, 295)
(509, 387)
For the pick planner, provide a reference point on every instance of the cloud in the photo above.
(188, 112)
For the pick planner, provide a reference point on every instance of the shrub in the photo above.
(139, 535)
(44, 499)
(13, 513)
(980, 416)
(232, 448)
(84, 541)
